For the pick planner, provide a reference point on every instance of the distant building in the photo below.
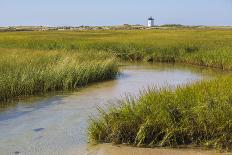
(151, 22)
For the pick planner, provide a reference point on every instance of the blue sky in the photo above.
(117, 12)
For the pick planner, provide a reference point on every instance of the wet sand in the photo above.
(108, 149)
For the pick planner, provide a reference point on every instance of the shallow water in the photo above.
(57, 124)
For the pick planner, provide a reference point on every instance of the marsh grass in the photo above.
(26, 72)
(205, 47)
(196, 115)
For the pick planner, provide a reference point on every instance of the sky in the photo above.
(114, 12)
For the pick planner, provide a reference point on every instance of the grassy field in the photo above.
(199, 114)
(210, 48)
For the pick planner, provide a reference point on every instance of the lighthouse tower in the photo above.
(151, 22)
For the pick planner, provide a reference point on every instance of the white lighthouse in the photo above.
(151, 22)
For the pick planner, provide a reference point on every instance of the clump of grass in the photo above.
(26, 72)
(196, 115)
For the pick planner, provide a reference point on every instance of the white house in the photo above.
(151, 22)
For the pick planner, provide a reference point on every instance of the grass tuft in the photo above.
(196, 115)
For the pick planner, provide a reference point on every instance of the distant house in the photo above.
(151, 22)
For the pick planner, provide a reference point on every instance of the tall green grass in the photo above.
(26, 72)
(205, 47)
(196, 115)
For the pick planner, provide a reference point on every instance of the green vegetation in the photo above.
(210, 48)
(199, 114)
(26, 72)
